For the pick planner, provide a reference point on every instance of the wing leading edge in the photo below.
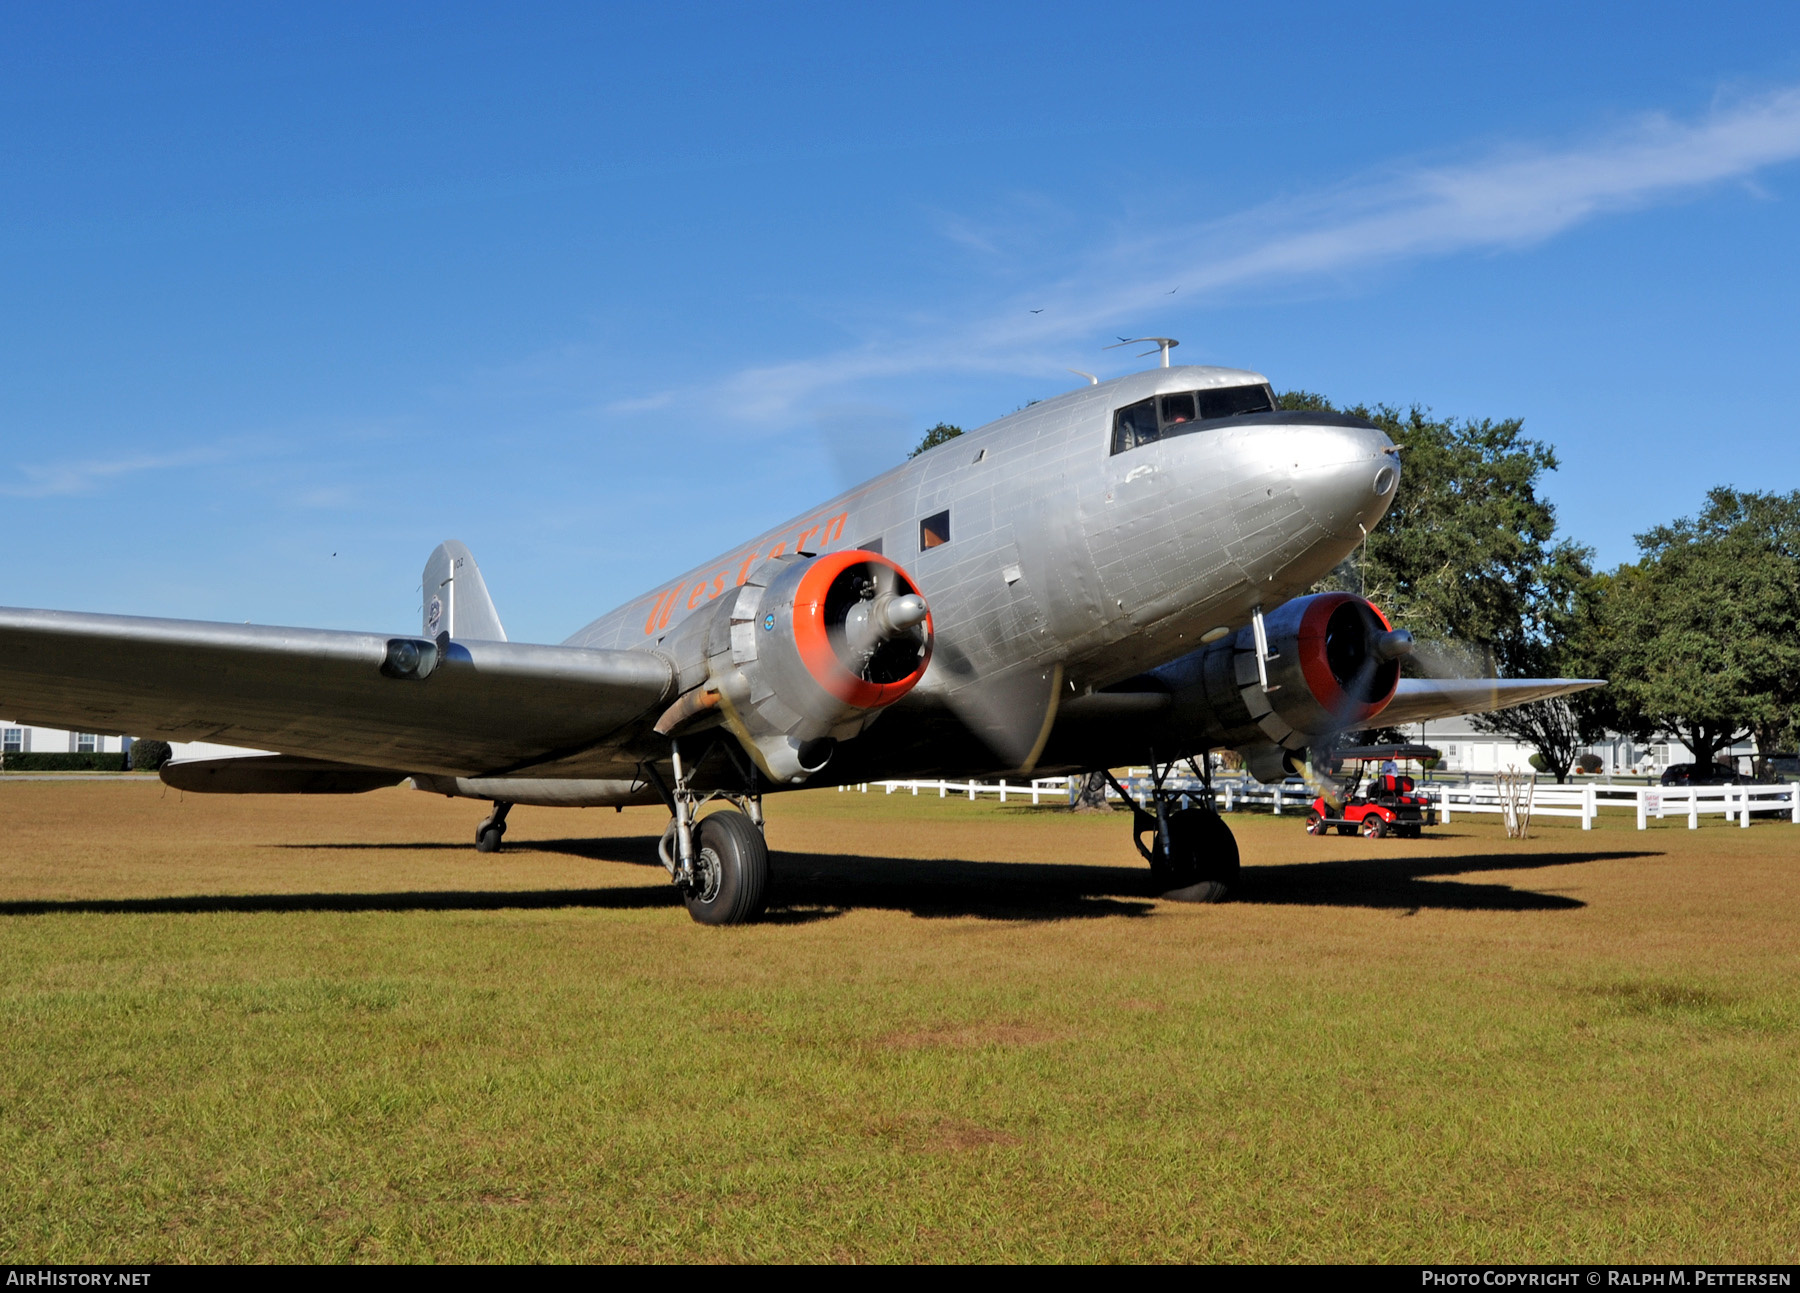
(487, 707)
(1419, 700)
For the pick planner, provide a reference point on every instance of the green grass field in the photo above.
(327, 1029)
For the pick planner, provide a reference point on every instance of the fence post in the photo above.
(1693, 809)
(1278, 799)
(1744, 808)
(1794, 807)
(943, 787)
(1002, 789)
(1587, 807)
(1444, 807)
(1643, 816)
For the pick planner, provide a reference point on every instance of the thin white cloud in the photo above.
(70, 477)
(1512, 199)
(44, 480)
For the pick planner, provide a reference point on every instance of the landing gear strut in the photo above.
(487, 835)
(1190, 850)
(720, 863)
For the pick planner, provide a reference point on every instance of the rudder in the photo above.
(456, 597)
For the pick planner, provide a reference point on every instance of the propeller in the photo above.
(1364, 655)
(877, 622)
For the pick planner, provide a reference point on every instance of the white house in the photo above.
(1467, 749)
(22, 738)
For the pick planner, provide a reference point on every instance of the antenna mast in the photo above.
(1165, 344)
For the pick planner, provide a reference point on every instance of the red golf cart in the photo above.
(1377, 803)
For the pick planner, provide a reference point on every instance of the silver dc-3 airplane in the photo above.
(1112, 576)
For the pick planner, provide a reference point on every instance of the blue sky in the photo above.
(601, 290)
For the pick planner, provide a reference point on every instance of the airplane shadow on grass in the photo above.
(806, 887)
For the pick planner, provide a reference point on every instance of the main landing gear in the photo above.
(719, 862)
(1190, 850)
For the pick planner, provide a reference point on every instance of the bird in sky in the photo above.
(1037, 311)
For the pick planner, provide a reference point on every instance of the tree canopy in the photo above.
(1701, 636)
(936, 436)
(1467, 558)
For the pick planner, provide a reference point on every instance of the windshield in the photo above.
(1185, 411)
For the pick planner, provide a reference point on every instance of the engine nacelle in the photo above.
(1333, 664)
(811, 650)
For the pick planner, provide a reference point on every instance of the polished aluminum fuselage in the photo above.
(1062, 551)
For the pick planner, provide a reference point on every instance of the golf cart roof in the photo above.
(1382, 753)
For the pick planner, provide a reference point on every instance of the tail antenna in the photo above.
(1092, 380)
(1165, 344)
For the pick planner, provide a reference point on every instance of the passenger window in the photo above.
(873, 545)
(934, 531)
(1133, 425)
(1178, 408)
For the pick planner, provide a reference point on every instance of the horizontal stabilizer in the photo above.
(1419, 700)
(365, 699)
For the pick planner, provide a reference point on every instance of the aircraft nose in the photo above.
(1344, 476)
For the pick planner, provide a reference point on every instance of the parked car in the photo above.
(1693, 774)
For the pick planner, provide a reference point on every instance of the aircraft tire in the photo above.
(1206, 858)
(732, 870)
(488, 835)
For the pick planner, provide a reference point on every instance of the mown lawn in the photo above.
(323, 1029)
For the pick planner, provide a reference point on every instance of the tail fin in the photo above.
(456, 597)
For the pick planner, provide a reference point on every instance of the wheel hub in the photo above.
(708, 873)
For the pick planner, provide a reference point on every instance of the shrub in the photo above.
(1539, 763)
(1589, 763)
(63, 762)
(148, 756)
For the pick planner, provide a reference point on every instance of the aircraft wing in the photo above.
(486, 707)
(1419, 700)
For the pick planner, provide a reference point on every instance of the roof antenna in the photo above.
(1166, 344)
(1092, 380)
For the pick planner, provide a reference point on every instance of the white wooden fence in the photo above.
(1233, 794)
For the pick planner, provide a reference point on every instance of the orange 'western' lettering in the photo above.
(669, 607)
(834, 528)
(655, 610)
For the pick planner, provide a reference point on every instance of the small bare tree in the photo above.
(1518, 790)
(1092, 798)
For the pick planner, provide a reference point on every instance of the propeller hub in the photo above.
(1393, 645)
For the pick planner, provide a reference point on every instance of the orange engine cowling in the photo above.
(1333, 663)
(811, 650)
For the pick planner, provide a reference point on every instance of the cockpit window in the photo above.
(1133, 425)
(1178, 408)
(1230, 401)
(1185, 411)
